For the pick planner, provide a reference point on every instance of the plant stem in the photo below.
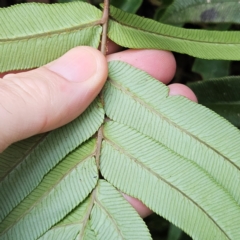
(87, 215)
(103, 50)
(105, 17)
(104, 22)
(99, 145)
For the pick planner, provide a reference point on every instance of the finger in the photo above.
(51, 96)
(142, 209)
(159, 64)
(112, 47)
(180, 89)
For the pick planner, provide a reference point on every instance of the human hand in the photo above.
(46, 98)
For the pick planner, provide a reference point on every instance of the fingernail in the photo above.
(77, 65)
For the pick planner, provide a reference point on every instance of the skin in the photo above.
(51, 96)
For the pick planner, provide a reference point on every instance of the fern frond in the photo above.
(205, 142)
(183, 126)
(36, 34)
(171, 185)
(61, 190)
(46, 154)
(112, 217)
(132, 31)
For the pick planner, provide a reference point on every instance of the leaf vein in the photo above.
(54, 32)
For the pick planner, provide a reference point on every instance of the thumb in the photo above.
(50, 96)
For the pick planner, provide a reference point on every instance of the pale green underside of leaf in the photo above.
(215, 11)
(67, 232)
(61, 190)
(205, 139)
(34, 34)
(31, 37)
(13, 155)
(62, 233)
(78, 215)
(132, 31)
(171, 185)
(112, 217)
(186, 171)
(24, 177)
(88, 233)
(73, 225)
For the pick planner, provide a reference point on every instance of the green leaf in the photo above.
(130, 6)
(204, 142)
(62, 189)
(163, 118)
(112, 217)
(198, 11)
(89, 233)
(160, 178)
(186, 171)
(72, 225)
(161, 9)
(76, 225)
(105, 222)
(132, 31)
(221, 95)
(211, 68)
(51, 149)
(13, 155)
(36, 38)
(179, 158)
(174, 233)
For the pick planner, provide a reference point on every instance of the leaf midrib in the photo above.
(54, 32)
(138, 29)
(87, 214)
(143, 166)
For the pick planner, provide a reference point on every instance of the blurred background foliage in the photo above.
(215, 82)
